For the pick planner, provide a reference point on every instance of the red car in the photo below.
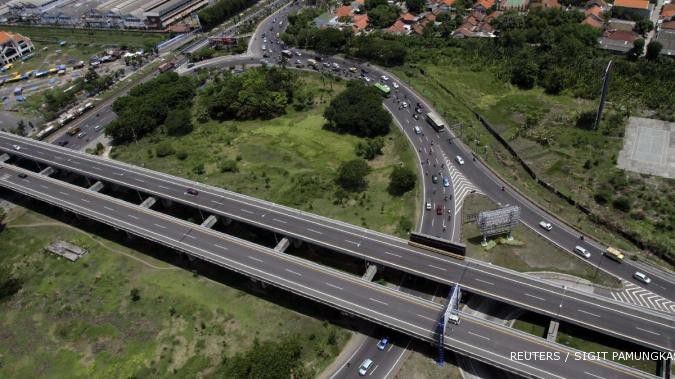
(191, 191)
(439, 209)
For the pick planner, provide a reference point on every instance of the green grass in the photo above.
(590, 341)
(76, 320)
(289, 160)
(532, 323)
(421, 364)
(554, 148)
(527, 252)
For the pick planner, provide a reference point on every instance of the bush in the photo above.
(622, 203)
(586, 120)
(182, 155)
(369, 148)
(358, 110)
(228, 166)
(401, 180)
(352, 175)
(164, 149)
(135, 294)
(199, 169)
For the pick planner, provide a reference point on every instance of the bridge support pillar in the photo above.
(166, 203)
(47, 171)
(210, 221)
(370, 272)
(226, 220)
(552, 334)
(282, 245)
(4, 158)
(96, 187)
(149, 202)
(297, 243)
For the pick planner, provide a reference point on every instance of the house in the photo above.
(399, 27)
(546, 4)
(477, 24)
(666, 37)
(634, 8)
(594, 16)
(667, 12)
(359, 23)
(13, 46)
(618, 41)
(484, 5)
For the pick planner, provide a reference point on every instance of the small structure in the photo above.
(498, 221)
(67, 250)
(618, 41)
(14, 46)
(634, 8)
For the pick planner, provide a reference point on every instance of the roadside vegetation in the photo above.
(538, 85)
(215, 14)
(527, 252)
(290, 157)
(121, 313)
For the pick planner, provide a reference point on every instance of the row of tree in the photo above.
(164, 100)
(215, 14)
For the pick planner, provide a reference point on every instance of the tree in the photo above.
(179, 122)
(643, 26)
(135, 294)
(351, 175)
(369, 148)
(415, 6)
(586, 120)
(372, 4)
(524, 73)
(401, 180)
(653, 50)
(382, 16)
(358, 111)
(636, 51)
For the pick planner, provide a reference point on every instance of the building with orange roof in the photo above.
(359, 22)
(399, 27)
(638, 8)
(485, 4)
(14, 46)
(408, 18)
(344, 11)
(668, 11)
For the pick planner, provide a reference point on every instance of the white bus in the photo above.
(435, 121)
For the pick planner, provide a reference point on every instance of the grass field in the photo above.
(527, 252)
(532, 323)
(421, 365)
(77, 320)
(541, 128)
(589, 341)
(289, 160)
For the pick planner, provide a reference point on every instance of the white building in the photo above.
(13, 46)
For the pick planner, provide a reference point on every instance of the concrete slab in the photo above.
(649, 147)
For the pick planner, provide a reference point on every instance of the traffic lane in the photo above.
(432, 271)
(375, 300)
(384, 361)
(294, 274)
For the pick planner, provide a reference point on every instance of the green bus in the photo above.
(384, 89)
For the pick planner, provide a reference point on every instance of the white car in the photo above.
(545, 225)
(395, 85)
(581, 251)
(428, 206)
(98, 127)
(384, 77)
(264, 47)
(404, 104)
(418, 130)
(459, 160)
(642, 277)
(16, 147)
(365, 366)
(298, 53)
(367, 79)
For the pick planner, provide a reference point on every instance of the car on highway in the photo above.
(16, 147)
(81, 134)
(439, 209)
(404, 104)
(367, 79)
(582, 251)
(384, 77)
(98, 127)
(459, 159)
(264, 47)
(191, 191)
(545, 225)
(298, 53)
(434, 179)
(416, 116)
(446, 181)
(22, 175)
(365, 366)
(382, 344)
(418, 130)
(428, 206)
(642, 277)
(352, 69)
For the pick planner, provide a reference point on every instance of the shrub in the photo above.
(228, 166)
(352, 175)
(164, 149)
(401, 180)
(622, 203)
(182, 155)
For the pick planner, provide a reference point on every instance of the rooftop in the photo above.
(635, 4)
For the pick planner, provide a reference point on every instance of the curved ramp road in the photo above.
(475, 338)
(648, 328)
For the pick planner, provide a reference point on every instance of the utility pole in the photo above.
(603, 95)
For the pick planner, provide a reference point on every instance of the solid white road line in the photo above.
(588, 313)
(255, 259)
(536, 297)
(484, 281)
(220, 246)
(378, 301)
(334, 286)
(293, 272)
(648, 331)
(479, 336)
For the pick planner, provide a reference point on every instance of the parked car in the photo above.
(382, 344)
(545, 225)
(642, 277)
(582, 251)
